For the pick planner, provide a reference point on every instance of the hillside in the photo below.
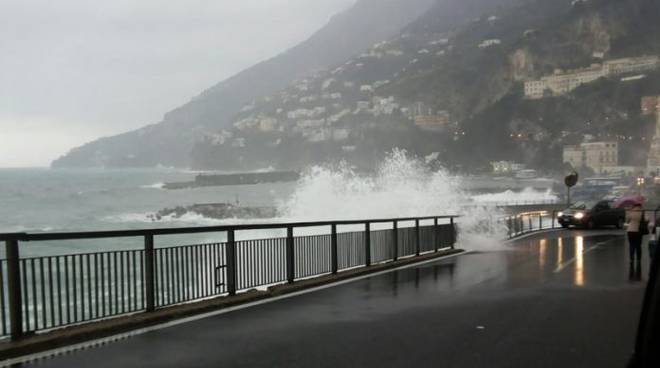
(449, 83)
(170, 141)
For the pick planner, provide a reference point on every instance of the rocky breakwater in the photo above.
(236, 179)
(216, 211)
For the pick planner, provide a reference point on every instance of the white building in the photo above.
(630, 65)
(489, 43)
(384, 106)
(433, 122)
(506, 167)
(394, 52)
(653, 163)
(381, 83)
(366, 88)
(306, 113)
(563, 82)
(598, 156)
(340, 134)
(326, 83)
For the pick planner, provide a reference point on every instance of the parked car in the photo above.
(592, 214)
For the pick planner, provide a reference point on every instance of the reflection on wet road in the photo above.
(564, 299)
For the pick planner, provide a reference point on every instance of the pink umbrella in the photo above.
(628, 201)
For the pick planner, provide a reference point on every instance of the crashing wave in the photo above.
(402, 186)
(153, 186)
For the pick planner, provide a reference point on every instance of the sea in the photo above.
(71, 200)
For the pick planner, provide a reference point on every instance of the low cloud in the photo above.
(74, 70)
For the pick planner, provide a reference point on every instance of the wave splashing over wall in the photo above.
(401, 186)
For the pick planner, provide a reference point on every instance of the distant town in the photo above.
(602, 157)
(563, 82)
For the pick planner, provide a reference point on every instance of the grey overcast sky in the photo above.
(75, 70)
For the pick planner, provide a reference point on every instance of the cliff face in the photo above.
(461, 63)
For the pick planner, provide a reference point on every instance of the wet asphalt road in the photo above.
(541, 302)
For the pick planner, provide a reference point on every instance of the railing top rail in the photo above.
(196, 230)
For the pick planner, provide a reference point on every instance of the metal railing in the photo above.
(529, 222)
(523, 203)
(49, 292)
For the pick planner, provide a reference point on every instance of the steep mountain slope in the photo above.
(467, 72)
(459, 67)
(534, 131)
(169, 142)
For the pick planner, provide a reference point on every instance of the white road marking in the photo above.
(562, 266)
(105, 340)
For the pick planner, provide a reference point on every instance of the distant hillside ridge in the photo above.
(170, 142)
(449, 87)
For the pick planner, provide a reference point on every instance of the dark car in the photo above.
(592, 215)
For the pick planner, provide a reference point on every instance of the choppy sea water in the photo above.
(48, 200)
(77, 200)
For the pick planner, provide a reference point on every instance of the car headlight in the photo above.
(560, 214)
(579, 216)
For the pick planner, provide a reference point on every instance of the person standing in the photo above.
(655, 234)
(633, 221)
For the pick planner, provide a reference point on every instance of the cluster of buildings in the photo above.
(562, 82)
(652, 105)
(426, 118)
(506, 167)
(262, 123)
(434, 123)
(488, 43)
(603, 157)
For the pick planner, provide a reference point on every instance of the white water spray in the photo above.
(401, 187)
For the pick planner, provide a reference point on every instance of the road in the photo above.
(563, 299)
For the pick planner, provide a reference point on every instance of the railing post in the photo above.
(514, 226)
(333, 248)
(232, 272)
(529, 219)
(149, 273)
(367, 244)
(453, 232)
(14, 289)
(290, 257)
(395, 240)
(540, 221)
(436, 237)
(553, 218)
(417, 245)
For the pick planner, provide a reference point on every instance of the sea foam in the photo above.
(402, 186)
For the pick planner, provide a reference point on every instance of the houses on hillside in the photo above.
(562, 82)
(597, 156)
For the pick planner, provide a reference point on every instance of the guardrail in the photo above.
(53, 291)
(523, 203)
(529, 222)
(533, 221)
